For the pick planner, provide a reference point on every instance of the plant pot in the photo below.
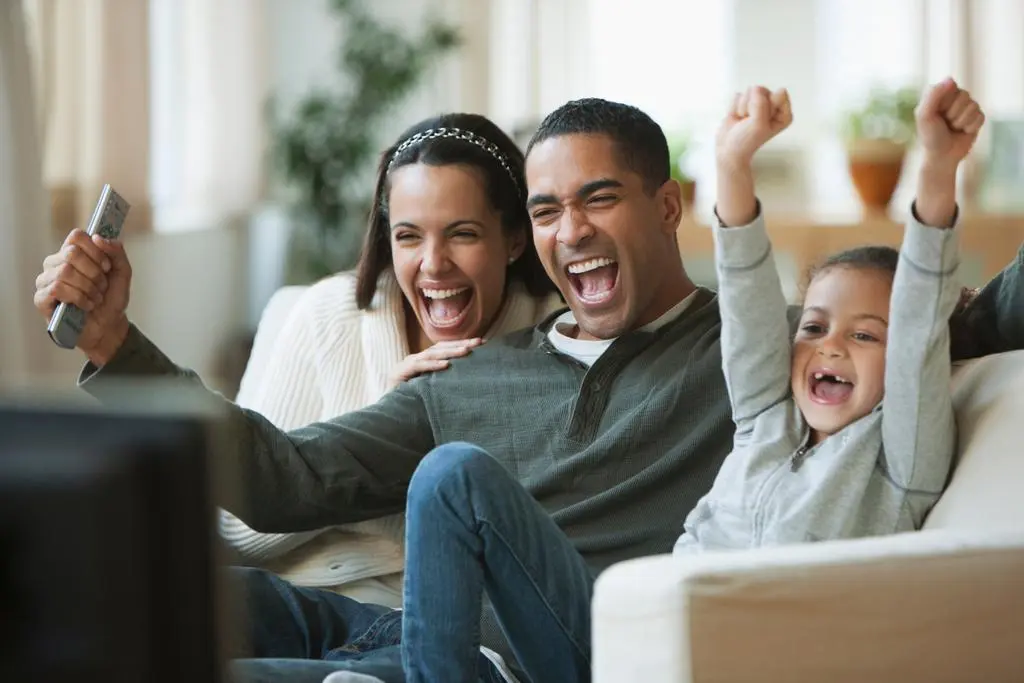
(875, 169)
(689, 194)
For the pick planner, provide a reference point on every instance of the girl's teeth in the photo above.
(592, 264)
(443, 293)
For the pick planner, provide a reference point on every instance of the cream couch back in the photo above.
(275, 315)
(986, 492)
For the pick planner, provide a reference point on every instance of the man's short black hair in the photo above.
(640, 142)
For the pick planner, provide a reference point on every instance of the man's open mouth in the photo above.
(594, 280)
(829, 388)
(446, 308)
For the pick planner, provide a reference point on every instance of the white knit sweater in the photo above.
(328, 359)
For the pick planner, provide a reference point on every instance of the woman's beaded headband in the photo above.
(458, 134)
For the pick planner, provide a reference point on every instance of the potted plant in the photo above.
(877, 137)
(326, 149)
(679, 147)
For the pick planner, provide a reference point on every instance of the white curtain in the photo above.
(91, 58)
(540, 57)
(24, 221)
(209, 86)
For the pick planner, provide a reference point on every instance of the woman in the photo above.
(447, 261)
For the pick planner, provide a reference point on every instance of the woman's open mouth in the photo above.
(446, 308)
(594, 281)
(829, 388)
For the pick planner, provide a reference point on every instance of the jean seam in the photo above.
(370, 634)
(539, 592)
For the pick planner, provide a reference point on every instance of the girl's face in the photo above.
(450, 253)
(838, 371)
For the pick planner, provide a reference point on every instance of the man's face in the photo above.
(607, 244)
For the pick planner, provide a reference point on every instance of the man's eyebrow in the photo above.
(596, 186)
(540, 199)
(585, 191)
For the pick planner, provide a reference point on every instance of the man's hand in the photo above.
(95, 275)
(754, 118)
(948, 122)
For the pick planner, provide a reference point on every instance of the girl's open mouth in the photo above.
(828, 388)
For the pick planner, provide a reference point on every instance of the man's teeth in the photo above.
(841, 380)
(443, 293)
(587, 266)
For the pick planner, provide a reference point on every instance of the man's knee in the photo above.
(456, 462)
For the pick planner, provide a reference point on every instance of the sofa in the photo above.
(942, 604)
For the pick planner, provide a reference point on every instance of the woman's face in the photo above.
(449, 252)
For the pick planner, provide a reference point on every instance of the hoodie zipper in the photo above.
(801, 454)
(771, 484)
(798, 458)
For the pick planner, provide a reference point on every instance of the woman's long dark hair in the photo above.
(502, 168)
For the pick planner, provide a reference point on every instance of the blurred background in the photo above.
(244, 132)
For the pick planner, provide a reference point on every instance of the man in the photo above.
(612, 415)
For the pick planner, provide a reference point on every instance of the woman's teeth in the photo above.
(446, 307)
(587, 266)
(443, 293)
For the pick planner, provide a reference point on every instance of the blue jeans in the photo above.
(300, 635)
(471, 527)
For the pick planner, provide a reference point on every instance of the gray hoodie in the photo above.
(878, 475)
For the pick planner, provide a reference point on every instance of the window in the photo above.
(861, 45)
(207, 91)
(670, 59)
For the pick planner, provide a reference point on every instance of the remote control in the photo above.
(107, 218)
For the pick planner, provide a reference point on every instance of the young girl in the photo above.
(847, 429)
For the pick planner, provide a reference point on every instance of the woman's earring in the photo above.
(511, 260)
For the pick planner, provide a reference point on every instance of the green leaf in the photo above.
(324, 150)
(887, 113)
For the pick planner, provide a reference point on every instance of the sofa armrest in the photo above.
(923, 606)
(274, 316)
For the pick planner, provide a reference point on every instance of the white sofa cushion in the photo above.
(272, 321)
(986, 492)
